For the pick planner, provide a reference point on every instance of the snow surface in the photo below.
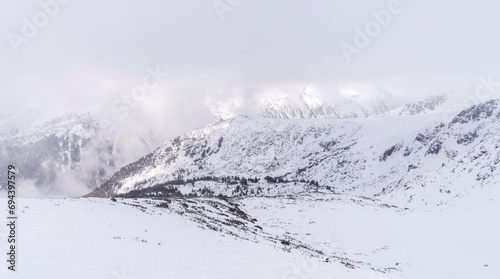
(99, 238)
(458, 242)
(96, 238)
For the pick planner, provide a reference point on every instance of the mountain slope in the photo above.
(387, 157)
(336, 153)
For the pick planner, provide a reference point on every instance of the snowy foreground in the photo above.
(315, 235)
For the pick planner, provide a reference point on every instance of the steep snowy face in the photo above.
(59, 152)
(402, 157)
(465, 156)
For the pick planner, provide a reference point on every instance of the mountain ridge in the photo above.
(371, 157)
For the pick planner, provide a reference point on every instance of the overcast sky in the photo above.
(89, 54)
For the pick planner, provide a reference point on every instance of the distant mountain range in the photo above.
(294, 145)
(308, 105)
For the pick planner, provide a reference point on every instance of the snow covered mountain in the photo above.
(324, 198)
(308, 104)
(465, 158)
(52, 153)
(401, 158)
(378, 104)
(428, 105)
(296, 103)
(61, 154)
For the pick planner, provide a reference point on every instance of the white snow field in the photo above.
(194, 238)
(461, 241)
